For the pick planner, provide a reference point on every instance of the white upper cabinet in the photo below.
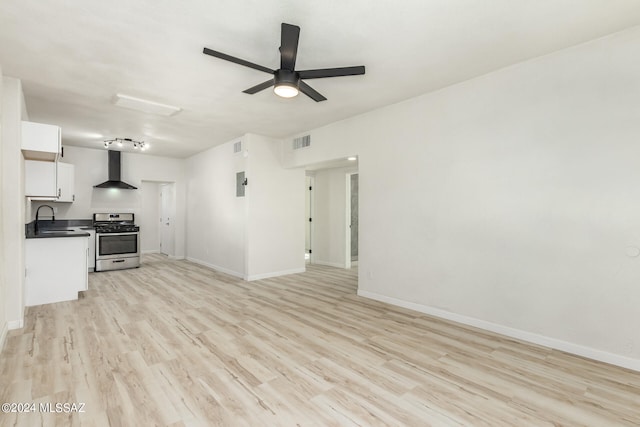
(40, 141)
(49, 181)
(40, 179)
(66, 187)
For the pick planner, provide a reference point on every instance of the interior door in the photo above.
(166, 219)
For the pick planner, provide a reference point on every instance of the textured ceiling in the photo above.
(73, 57)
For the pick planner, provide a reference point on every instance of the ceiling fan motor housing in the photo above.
(287, 78)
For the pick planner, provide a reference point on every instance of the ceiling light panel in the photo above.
(150, 107)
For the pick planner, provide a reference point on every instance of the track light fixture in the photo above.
(121, 141)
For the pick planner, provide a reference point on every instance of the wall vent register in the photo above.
(301, 142)
(237, 147)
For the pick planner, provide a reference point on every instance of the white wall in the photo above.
(508, 201)
(149, 218)
(256, 236)
(4, 325)
(329, 216)
(275, 222)
(12, 207)
(216, 218)
(91, 169)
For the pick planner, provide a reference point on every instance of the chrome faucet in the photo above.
(53, 215)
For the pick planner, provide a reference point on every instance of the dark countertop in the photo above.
(58, 228)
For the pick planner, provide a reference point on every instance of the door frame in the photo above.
(310, 224)
(347, 221)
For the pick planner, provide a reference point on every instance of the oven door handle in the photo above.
(127, 233)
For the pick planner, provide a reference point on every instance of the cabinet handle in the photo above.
(59, 192)
(119, 260)
(73, 198)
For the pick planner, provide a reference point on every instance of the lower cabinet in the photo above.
(56, 269)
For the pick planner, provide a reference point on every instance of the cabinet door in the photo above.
(85, 266)
(66, 185)
(40, 141)
(92, 250)
(56, 269)
(40, 179)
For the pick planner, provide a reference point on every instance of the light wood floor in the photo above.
(174, 343)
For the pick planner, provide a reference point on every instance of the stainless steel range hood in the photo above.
(114, 174)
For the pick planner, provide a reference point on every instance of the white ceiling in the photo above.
(74, 56)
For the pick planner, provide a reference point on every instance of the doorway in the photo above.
(167, 213)
(329, 233)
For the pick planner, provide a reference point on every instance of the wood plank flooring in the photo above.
(174, 343)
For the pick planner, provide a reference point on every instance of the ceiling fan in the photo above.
(287, 82)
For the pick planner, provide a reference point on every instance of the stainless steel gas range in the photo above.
(117, 241)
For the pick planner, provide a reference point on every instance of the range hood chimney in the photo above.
(114, 174)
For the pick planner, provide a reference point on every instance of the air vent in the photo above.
(237, 147)
(301, 142)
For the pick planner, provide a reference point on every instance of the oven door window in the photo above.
(118, 244)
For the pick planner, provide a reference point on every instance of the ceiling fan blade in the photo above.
(331, 72)
(289, 46)
(311, 92)
(237, 60)
(261, 86)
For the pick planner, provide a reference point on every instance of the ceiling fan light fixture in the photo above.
(286, 83)
(285, 90)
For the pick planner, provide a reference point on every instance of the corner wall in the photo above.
(275, 221)
(149, 218)
(12, 207)
(256, 236)
(216, 218)
(508, 201)
(4, 324)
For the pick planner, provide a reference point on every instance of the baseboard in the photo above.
(215, 267)
(579, 350)
(329, 264)
(172, 257)
(3, 336)
(15, 324)
(9, 326)
(274, 274)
